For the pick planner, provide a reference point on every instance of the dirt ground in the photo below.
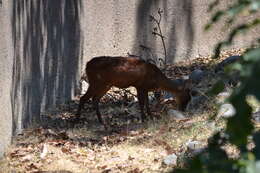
(59, 144)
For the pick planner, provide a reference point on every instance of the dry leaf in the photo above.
(136, 170)
(65, 150)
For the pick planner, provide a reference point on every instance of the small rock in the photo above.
(44, 151)
(226, 62)
(198, 151)
(196, 75)
(170, 160)
(221, 97)
(167, 95)
(196, 102)
(83, 87)
(175, 114)
(193, 145)
(226, 110)
(256, 116)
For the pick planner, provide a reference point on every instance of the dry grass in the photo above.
(140, 150)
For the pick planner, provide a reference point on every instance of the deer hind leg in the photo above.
(146, 101)
(182, 100)
(141, 99)
(96, 107)
(85, 98)
(96, 98)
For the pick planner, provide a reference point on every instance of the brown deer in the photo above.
(104, 72)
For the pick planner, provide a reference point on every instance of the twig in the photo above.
(132, 55)
(203, 94)
(158, 22)
(156, 33)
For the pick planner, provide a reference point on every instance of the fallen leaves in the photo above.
(169, 149)
(136, 151)
(129, 146)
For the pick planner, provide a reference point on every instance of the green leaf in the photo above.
(255, 5)
(217, 16)
(235, 66)
(253, 81)
(213, 5)
(217, 88)
(233, 11)
(239, 127)
(256, 139)
(252, 55)
(208, 26)
(249, 164)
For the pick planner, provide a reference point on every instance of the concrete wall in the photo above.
(47, 56)
(40, 49)
(6, 63)
(44, 45)
(118, 27)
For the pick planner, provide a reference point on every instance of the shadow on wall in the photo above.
(47, 50)
(177, 16)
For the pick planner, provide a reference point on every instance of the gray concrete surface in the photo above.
(6, 63)
(44, 45)
(40, 60)
(118, 27)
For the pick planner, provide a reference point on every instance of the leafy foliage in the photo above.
(217, 88)
(239, 127)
